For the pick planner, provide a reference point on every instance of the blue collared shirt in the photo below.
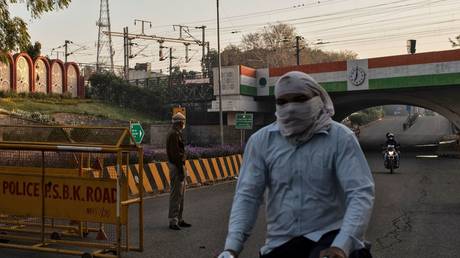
(322, 185)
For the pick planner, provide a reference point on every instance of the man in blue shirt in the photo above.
(320, 191)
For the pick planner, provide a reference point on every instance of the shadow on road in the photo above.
(395, 173)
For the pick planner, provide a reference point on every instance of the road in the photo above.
(416, 213)
(426, 130)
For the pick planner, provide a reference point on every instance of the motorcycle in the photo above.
(391, 158)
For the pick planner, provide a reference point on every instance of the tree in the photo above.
(13, 30)
(274, 46)
(356, 119)
(175, 71)
(34, 50)
(231, 55)
(210, 61)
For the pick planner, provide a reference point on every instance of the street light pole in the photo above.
(170, 66)
(219, 78)
(66, 43)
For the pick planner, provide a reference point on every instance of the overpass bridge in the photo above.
(430, 80)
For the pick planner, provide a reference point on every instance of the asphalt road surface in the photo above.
(416, 213)
(426, 130)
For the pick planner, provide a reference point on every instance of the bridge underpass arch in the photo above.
(430, 80)
(438, 99)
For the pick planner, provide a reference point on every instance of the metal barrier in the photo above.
(55, 196)
(205, 171)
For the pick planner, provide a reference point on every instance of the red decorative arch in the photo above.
(31, 70)
(67, 65)
(64, 75)
(10, 59)
(48, 72)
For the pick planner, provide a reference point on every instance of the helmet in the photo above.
(390, 135)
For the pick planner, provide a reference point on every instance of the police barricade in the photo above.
(56, 197)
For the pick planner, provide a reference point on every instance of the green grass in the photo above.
(73, 106)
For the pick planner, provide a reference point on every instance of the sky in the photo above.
(371, 28)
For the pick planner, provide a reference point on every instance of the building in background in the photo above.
(142, 72)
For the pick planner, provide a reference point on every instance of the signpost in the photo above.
(137, 131)
(244, 122)
(76, 198)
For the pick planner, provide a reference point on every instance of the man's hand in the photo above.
(332, 252)
(228, 254)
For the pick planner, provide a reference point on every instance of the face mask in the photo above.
(179, 125)
(294, 117)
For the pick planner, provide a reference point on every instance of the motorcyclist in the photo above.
(392, 141)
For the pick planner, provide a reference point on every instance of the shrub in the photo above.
(192, 152)
(11, 94)
(35, 116)
(357, 119)
(366, 116)
(36, 95)
(154, 98)
(111, 89)
(66, 95)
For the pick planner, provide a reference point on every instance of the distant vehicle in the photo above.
(391, 158)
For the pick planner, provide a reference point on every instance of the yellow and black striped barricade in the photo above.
(211, 170)
(204, 171)
(56, 197)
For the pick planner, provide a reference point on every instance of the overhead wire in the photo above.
(339, 33)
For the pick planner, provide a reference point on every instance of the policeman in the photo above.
(175, 149)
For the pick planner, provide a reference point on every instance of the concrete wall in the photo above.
(198, 135)
(158, 135)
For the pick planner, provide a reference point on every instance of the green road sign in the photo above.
(244, 121)
(137, 131)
